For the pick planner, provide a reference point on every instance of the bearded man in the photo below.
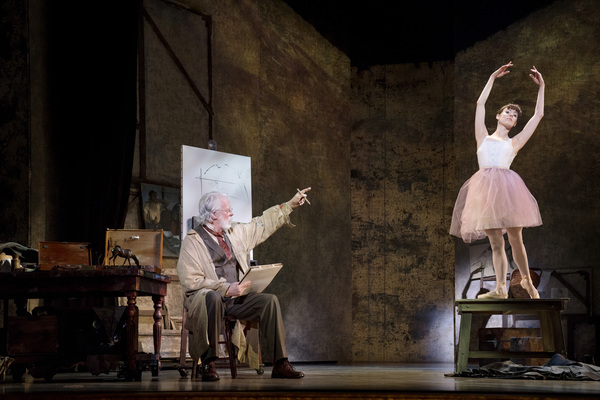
(214, 256)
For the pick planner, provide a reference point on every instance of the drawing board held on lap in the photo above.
(260, 276)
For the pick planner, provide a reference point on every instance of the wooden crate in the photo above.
(51, 254)
(146, 245)
(32, 335)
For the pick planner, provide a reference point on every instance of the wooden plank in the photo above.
(510, 306)
(511, 354)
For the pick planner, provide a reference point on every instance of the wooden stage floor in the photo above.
(322, 381)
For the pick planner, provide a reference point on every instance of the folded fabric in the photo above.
(557, 368)
(26, 254)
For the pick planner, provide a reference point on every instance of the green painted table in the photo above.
(547, 310)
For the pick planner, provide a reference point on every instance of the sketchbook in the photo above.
(260, 276)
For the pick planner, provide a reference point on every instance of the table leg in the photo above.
(559, 341)
(132, 337)
(464, 337)
(548, 341)
(157, 331)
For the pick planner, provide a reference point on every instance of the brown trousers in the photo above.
(263, 308)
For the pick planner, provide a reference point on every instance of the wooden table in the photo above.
(547, 310)
(100, 281)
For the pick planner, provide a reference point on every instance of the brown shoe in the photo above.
(283, 369)
(209, 372)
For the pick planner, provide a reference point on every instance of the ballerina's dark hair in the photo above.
(511, 106)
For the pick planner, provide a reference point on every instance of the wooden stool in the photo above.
(184, 347)
(547, 310)
(185, 337)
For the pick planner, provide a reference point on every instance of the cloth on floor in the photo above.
(557, 368)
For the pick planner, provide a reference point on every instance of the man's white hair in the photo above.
(208, 204)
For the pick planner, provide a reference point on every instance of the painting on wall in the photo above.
(161, 209)
(204, 171)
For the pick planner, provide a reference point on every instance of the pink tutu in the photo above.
(493, 198)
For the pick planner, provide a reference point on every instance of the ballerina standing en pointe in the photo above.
(495, 199)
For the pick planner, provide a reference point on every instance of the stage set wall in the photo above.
(402, 172)
(369, 270)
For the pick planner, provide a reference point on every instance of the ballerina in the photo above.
(495, 199)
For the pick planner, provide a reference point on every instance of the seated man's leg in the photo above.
(265, 309)
(262, 308)
(215, 312)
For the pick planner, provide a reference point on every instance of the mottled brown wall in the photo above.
(402, 256)
(281, 96)
(14, 123)
(560, 163)
(171, 111)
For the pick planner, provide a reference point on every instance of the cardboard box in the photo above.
(125, 246)
(51, 254)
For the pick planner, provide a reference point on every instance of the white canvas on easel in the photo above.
(204, 171)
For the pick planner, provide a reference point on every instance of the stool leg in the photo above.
(183, 348)
(194, 368)
(230, 353)
(464, 337)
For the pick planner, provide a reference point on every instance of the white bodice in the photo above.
(495, 153)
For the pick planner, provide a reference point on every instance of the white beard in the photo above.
(225, 222)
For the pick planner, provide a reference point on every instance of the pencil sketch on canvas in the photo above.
(204, 171)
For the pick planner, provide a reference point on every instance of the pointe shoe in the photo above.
(498, 293)
(531, 290)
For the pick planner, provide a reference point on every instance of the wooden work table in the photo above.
(85, 282)
(547, 310)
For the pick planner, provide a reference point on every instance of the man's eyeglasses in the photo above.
(228, 211)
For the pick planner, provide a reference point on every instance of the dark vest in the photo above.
(224, 268)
